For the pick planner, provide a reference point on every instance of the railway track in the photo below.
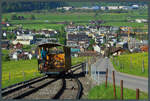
(18, 86)
(24, 90)
(62, 87)
(71, 89)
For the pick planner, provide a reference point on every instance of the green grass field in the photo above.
(132, 64)
(77, 60)
(102, 93)
(4, 51)
(119, 18)
(17, 71)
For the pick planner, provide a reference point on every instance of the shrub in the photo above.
(5, 57)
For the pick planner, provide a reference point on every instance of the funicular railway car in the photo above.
(53, 58)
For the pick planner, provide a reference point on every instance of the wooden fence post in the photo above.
(34, 73)
(106, 77)
(113, 74)
(9, 76)
(143, 66)
(23, 75)
(130, 62)
(116, 61)
(98, 77)
(121, 85)
(137, 93)
(89, 67)
(122, 66)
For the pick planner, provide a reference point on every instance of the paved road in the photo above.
(129, 81)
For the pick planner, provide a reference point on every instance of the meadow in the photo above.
(17, 71)
(44, 20)
(132, 64)
(101, 92)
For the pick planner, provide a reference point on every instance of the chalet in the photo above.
(135, 6)
(20, 18)
(144, 42)
(65, 8)
(25, 39)
(141, 20)
(42, 40)
(95, 7)
(88, 53)
(78, 40)
(144, 48)
(113, 7)
(96, 48)
(5, 24)
(103, 8)
(18, 46)
(123, 45)
(4, 34)
(75, 51)
(71, 28)
(5, 44)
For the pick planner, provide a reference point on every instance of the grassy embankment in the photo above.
(132, 64)
(100, 92)
(29, 67)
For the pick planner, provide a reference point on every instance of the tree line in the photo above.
(30, 6)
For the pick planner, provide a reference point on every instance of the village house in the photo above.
(18, 46)
(103, 8)
(83, 8)
(48, 32)
(24, 39)
(141, 20)
(42, 40)
(78, 40)
(88, 53)
(135, 6)
(75, 51)
(96, 48)
(112, 7)
(144, 48)
(123, 45)
(65, 8)
(19, 54)
(71, 28)
(6, 24)
(5, 44)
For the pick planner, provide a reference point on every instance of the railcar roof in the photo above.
(49, 45)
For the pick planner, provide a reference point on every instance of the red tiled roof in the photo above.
(144, 48)
(3, 22)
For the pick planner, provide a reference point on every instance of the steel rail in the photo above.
(23, 85)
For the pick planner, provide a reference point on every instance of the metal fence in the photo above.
(92, 70)
(9, 78)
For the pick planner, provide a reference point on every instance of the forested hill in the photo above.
(30, 6)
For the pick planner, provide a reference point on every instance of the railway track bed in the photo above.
(62, 87)
(48, 92)
(71, 89)
(46, 88)
(27, 89)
